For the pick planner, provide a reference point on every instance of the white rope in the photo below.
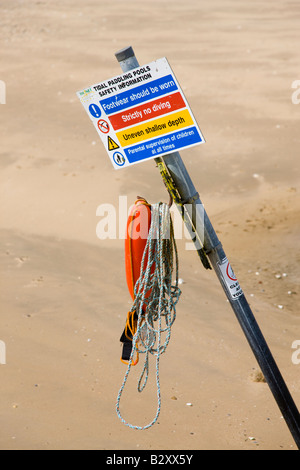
(155, 301)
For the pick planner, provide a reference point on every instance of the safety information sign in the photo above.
(141, 114)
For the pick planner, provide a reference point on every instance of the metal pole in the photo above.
(213, 250)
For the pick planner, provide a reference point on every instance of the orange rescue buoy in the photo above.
(137, 229)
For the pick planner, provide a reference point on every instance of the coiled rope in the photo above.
(155, 301)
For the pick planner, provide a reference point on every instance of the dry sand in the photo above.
(63, 292)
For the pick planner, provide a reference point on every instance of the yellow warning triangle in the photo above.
(112, 145)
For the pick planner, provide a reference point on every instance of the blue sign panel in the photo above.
(139, 95)
(162, 145)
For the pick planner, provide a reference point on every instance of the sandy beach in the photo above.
(63, 291)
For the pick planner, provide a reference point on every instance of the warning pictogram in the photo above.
(95, 110)
(103, 126)
(119, 158)
(230, 273)
(112, 145)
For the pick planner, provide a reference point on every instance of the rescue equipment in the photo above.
(155, 295)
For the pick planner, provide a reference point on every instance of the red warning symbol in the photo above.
(230, 273)
(103, 126)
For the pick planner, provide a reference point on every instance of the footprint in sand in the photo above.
(35, 282)
(21, 260)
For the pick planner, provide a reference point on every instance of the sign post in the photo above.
(131, 114)
(217, 257)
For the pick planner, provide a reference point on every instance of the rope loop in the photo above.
(156, 296)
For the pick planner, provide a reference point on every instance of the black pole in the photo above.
(214, 252)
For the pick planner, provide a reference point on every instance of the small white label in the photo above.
(230, 280)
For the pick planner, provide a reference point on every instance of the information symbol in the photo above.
(119, 159)
(95, 110)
